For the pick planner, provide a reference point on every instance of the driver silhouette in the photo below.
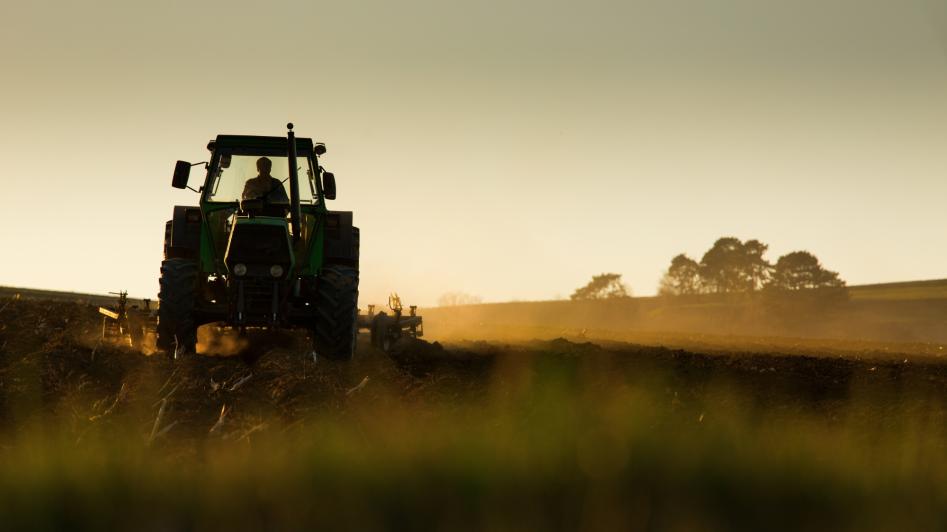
(264, 186)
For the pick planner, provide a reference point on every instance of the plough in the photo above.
(127, 324)
(135, 326)
(387, 329)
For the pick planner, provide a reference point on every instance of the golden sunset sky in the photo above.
(506, 149)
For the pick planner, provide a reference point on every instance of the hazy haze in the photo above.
(510, 151)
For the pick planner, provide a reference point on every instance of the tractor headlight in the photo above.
(239, 269)
(276, 270)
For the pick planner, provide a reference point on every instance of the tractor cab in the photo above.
(249, 183)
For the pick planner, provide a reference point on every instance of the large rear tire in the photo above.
(177, 332)
(336, 327)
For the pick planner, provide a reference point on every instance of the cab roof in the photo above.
(256, 145)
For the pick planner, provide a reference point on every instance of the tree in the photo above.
(756, 269)
(734, 266)
(454, 299)
(683, 277)
(801, 270)
(604, 286)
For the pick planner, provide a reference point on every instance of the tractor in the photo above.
(261, 249)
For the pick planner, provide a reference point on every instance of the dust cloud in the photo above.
(740, 321)
(213, 340)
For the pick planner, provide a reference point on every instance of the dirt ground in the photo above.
(53, 364)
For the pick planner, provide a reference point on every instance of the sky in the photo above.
(510, 150)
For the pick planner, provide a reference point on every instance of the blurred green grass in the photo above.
(555, 437)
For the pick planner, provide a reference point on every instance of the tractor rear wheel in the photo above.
(177, 332)
(336, 327)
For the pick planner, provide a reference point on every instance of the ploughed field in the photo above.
(552, 434)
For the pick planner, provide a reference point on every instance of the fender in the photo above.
(341, 243)
(185, 233)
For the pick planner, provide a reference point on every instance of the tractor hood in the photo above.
(259, 247)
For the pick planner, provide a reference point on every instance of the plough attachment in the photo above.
(387, 329)
(127, 324)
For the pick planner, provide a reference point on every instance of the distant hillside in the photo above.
(914, 311)
(53, 295)
(892, 312)
(933, 289)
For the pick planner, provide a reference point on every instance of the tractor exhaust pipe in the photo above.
(294, 211)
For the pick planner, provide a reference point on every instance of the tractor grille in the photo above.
(258, 297)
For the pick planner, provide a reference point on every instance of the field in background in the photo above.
(889, 318)
(886, 317)
(932, 289)
(54, 295)
(913, 312)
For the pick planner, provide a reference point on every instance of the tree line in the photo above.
(604, 286)
(734, 266)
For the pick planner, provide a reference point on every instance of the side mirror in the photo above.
(182, 170)
(328, 185)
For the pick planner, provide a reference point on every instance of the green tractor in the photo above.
(252, 255)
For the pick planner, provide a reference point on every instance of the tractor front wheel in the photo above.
(336, 327)
(177, 332)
